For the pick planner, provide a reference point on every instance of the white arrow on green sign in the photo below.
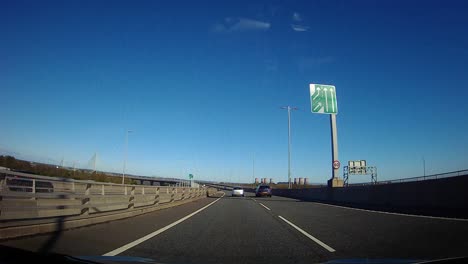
(323, 99)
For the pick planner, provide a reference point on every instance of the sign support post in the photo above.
(335, 181)
(334, 145)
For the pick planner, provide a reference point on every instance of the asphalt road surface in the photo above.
(261, 230)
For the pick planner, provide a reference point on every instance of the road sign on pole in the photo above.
(323, 99)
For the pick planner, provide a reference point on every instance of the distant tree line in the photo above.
(56, 171)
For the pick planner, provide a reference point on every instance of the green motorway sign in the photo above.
(190, 176)
(323, 99)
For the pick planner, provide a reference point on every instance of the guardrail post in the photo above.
(86, 201)
(33, 189)
(183, 194)
(34, 186)
(156, 197)
(143, 190)
(174, 190)
(102, 190)
(131, 200)
(73, 186)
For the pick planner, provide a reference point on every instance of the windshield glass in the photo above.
(255, 131)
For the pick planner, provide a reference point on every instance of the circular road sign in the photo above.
(336, 164)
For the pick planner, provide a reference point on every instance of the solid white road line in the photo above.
(308, 235)
(399, 214)
(157, 232)
(265, 206)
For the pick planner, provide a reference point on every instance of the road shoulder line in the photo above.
(392, 213)
(157, 232)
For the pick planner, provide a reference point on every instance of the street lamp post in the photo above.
(289, 142)
(253, 170)
(424, 165)
(125, 157)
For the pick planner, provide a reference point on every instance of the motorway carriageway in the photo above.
(260, 230)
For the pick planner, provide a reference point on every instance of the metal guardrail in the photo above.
(31, 197)
(420, 178)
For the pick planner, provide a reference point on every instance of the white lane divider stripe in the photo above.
(308, 235)
(265, 206)
(157, 232)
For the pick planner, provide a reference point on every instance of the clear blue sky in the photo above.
(200, 83)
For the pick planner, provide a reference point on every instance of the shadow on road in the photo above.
(48, 246)
(213, 197)
(277, 200)
(235, 197)
(54, 237)
(252, 196)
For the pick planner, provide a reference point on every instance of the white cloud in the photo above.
(250, 24)
(298, 24)
(296, 17)
(299, 28)
(241, 25)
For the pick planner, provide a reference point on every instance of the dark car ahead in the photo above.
(263, 190)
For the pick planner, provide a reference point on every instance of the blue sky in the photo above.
(201, 85)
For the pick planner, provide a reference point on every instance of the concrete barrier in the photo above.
(31, 204)
(447, 197)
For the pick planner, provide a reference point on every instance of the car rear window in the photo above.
(237, 188)
(264, 187)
